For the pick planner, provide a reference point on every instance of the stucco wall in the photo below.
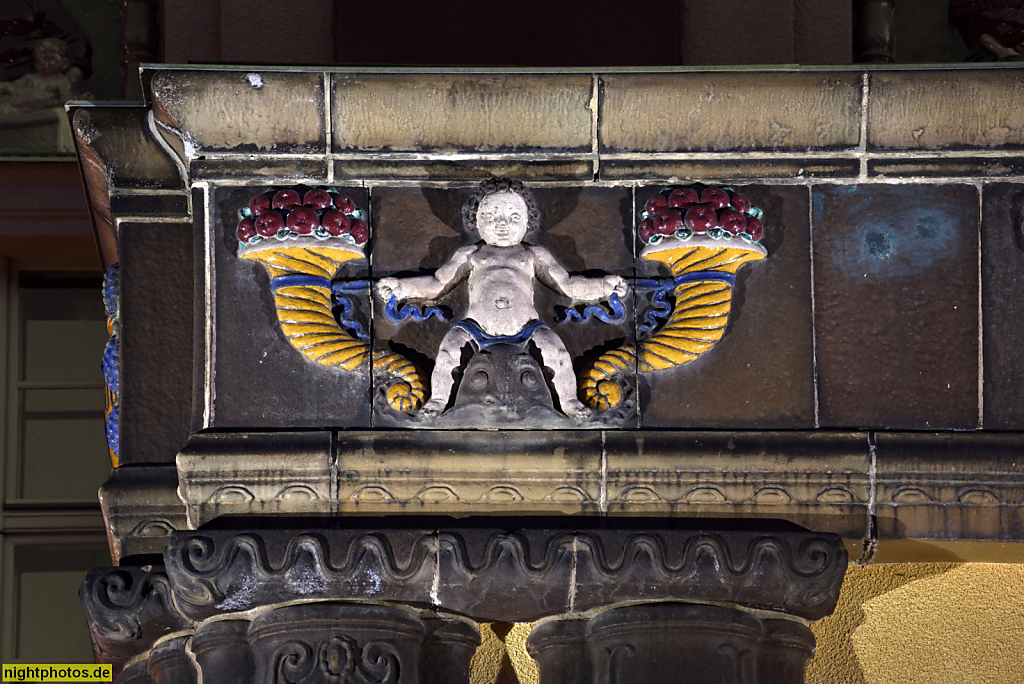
(924, 623)
(912, 623)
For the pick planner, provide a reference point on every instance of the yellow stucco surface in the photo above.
(924, 623)
(502, 656)
(911, 623)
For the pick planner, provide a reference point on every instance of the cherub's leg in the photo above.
(448, 356)
(556, 357)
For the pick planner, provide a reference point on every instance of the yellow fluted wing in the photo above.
(703, 269)
(300, 272)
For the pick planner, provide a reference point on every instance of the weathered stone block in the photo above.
(925, 492)
(217, 572)
(793, 572)
(119, 139)
(255, 474)
(946, 109)
(136, 673)
(715, 111)
(946, 167)
(654, 643)
(469, 170)
(539, 472)
(238, 111)
(169, 663)
(282, 171)
(128, 609)
(141, 508)
(221, 649)
(322, 642)
(819, 480)
(461, 112)
(131, 204)
(726, 170)
(503, 576)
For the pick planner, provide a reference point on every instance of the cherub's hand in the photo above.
(390, 287)
(616, 285)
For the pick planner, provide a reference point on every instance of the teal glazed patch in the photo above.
(893, 239)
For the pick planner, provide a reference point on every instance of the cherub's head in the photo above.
(502, 211)
(51, 56)
(502, 219)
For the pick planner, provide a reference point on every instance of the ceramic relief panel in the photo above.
(495, 304)
(290, 308)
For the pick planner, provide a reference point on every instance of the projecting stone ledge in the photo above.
(819, 481)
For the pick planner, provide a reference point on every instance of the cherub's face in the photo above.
(52, 57)
(502, 219)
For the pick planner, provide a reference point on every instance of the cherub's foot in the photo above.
(576, 410)
(432, 409)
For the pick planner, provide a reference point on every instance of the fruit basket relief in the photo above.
(302, 239)
(703, 235)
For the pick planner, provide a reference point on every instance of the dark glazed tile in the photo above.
(156, 340)
(260, 380)
(760, 374)
(896, 305)
(416, 230)
(1002, 291)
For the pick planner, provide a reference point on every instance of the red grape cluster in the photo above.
(287, 213)
(696, 210)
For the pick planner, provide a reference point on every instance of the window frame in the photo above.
(11, 474)
(10, 585)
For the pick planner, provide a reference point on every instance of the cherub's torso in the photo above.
(501, 288)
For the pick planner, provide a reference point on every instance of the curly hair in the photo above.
(492, 187)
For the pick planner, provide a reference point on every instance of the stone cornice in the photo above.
(493, 575)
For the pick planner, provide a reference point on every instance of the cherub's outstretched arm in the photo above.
(431, 286)
(577, 288)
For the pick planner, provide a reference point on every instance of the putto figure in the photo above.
(501, 274)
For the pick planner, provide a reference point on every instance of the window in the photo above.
(51, 529)
(56, 443)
